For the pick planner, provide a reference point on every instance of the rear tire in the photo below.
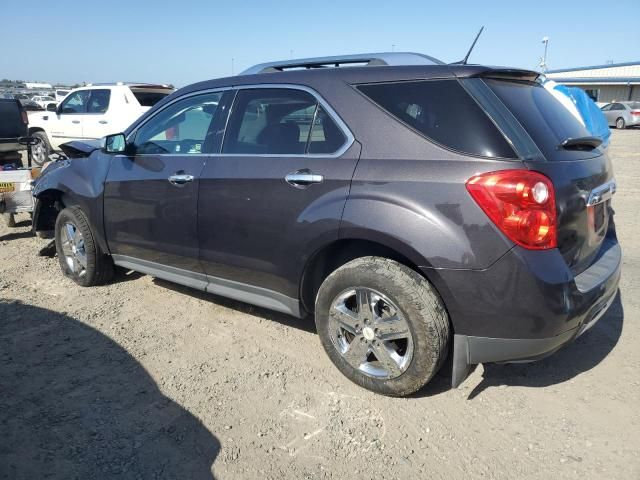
(78, 252)
(40, 152)
(620, 124)
(403, 321)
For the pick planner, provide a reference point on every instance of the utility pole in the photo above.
(543, 60)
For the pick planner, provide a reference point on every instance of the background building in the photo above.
(32, 85)
(603, 83)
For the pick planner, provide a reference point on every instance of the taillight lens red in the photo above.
(25, 118)
(521, 203)
(635, 112)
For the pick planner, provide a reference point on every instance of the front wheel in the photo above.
(383, 325)
(620, 123)
(80, 256)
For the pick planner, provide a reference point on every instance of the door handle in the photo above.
(103, 122)
(75, 121)
(303, 178)
(180, 180)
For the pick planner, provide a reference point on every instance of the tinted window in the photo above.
(76, 102)
(326, 137)
(544, 118)
(149, 97)
(617, 106)
(270, 121)
(183, 127)
(606, 108)
(442, 111)
(12, 125)
(99, 101)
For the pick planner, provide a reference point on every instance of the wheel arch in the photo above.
(33, 130)
(50, 203)
(335, 254)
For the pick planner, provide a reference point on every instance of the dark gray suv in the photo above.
(414, 207)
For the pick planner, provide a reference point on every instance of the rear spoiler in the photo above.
(508, 74)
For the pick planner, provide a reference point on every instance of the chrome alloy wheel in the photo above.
(370, 333)
(73, 248)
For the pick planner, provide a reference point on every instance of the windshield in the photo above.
(546, 120)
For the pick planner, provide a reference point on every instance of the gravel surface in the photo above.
(145, 379)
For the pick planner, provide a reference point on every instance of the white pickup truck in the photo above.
(92, 112)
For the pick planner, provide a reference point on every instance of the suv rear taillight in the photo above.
(521, 203)
(25, 118)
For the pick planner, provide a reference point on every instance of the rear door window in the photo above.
(99, 101)
(279, 121)
(442, 111)
(270, 121)
(544, 118)
(326, 136)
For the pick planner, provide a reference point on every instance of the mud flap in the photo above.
(462, 367)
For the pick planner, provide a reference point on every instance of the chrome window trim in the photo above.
(350, 139)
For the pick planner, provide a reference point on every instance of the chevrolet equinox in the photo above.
(412, 206)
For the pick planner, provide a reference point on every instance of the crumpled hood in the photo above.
(79, 148)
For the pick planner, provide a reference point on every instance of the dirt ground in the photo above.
(145, 379)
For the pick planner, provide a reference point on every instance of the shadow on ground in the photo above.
(573, 359)
(16, 235)
(306, 324)
(74, 404)
(582, 355)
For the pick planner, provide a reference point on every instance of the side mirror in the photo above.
(116, 143)
(51, 107)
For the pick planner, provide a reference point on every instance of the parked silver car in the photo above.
(622, 114)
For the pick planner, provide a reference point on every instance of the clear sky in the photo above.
(181, 42)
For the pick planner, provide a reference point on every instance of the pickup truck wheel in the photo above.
(383, 325)
(40, 152)
(79, 254)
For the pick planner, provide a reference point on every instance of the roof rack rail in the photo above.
(131, 84)
(363, 59)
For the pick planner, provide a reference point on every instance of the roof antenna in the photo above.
(464, 61)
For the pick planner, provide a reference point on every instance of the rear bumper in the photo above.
(526, 306)
(469, 351)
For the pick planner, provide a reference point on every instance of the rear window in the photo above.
(442, 111)
(149, 97)
(11, 123)
(634, 105)
(544, 118)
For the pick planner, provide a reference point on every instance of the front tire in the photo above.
(81, 259)
(383, 325)
(620, 124)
